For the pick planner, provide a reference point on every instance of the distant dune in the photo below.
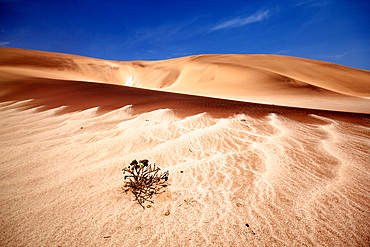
(262, 150)
(268, 79)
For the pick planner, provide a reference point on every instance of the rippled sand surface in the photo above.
(292, 170)
(234, 181)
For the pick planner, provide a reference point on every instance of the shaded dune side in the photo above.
(80, 95)
(288, 81)
(58, 66)
(65, 66)
(155, 75)
(229, 76)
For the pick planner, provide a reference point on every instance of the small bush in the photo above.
(144, 180)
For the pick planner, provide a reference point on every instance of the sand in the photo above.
(294, 173)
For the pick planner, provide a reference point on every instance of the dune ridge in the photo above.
(269, 79)
(241, 173)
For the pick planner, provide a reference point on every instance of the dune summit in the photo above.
(261, 150)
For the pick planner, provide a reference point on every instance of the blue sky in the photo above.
(336, 31)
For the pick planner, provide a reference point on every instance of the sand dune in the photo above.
(279, 80)
(241, 174)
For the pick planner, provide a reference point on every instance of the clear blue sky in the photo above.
(336, 31)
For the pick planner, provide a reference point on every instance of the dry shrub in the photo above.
(144, 180)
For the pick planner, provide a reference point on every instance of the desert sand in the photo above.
(261, 150)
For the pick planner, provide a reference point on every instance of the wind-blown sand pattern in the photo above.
(241, 174)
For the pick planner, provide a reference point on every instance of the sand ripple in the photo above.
(293, 183)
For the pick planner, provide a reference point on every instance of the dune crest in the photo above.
(268, 79)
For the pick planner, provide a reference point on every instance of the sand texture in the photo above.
(288, 171)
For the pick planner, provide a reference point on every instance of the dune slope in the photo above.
(241, 174)
(269, 79)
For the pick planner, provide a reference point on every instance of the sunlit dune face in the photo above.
(129, 81)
